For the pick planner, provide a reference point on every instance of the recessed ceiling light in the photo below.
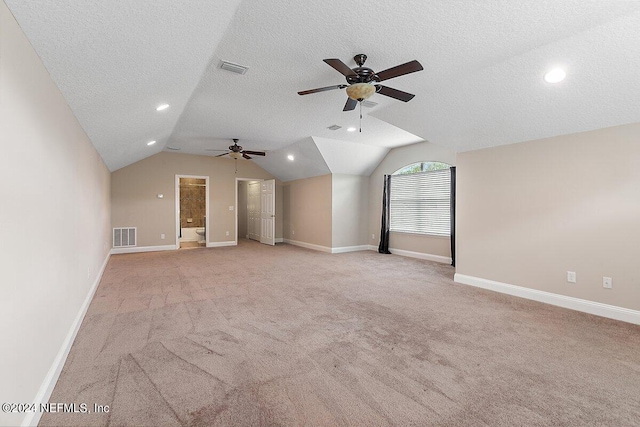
(351, 129)
(554, 76)
(151, 142)
(162, 107)
(290, 157)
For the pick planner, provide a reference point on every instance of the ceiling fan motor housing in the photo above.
(362, 75)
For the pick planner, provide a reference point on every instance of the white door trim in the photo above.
(237, 181)
(177, 207)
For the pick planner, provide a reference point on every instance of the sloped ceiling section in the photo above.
(316, 156)
(116, 60)
(511, 103)
(307, 161)
(350, 157)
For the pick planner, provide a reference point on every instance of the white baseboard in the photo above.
(221, 244)
(586, 306)
(279, 240)
(419, 255)
(308, 245)
(50, 380)
(137, 249)
(349, 249)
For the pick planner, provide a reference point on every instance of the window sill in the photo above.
(437, 236)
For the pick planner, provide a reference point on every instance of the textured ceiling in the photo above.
(482, 84)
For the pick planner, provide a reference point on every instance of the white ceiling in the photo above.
(116, 60)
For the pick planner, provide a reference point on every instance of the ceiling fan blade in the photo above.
(211, 149)
(245, 156)
(340, 66)
(350, 105)
(321, 89)
(223, 154)
(394, 93)
(399, 70)
(254, 153)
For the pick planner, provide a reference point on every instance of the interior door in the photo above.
(254, 191)
(268, 212)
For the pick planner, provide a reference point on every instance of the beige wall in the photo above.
(134, 192)
(349, 205)
(54, 218)
(397, 158)
(529, 212)
(307, 210)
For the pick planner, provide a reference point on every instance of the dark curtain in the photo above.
(383, 247)
(453, 216)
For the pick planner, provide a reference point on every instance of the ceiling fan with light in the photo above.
(363, 81)
(235, 151)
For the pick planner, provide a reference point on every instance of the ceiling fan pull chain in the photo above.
(360, 116)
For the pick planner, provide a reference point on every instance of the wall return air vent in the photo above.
(124, 237)
(234, 68)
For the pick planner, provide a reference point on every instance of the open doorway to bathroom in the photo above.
(192, 211)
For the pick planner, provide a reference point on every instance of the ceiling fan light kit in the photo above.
(360, 91)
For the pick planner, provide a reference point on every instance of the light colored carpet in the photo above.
(257, 335)
(191, 245)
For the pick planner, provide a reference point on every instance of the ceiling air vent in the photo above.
(234, 68)
(334, 127)
(173, 148)
(369, 104)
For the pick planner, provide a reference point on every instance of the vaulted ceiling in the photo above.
(482, 85)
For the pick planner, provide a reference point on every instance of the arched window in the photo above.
(421, 167)
(420, 199)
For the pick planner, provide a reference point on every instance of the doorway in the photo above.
(255, 210)
(192, 211)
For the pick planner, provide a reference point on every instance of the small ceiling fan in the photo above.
(236, 151)
(363, 81)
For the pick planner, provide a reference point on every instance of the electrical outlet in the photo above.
(88, 272)
(227, 233)
(162, 236)
(293, 232)
(607, 282)
(230, 208)
(373, 236)
(571, 276)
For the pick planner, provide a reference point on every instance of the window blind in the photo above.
(420, 203)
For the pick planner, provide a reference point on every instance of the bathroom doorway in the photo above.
(192, 211)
